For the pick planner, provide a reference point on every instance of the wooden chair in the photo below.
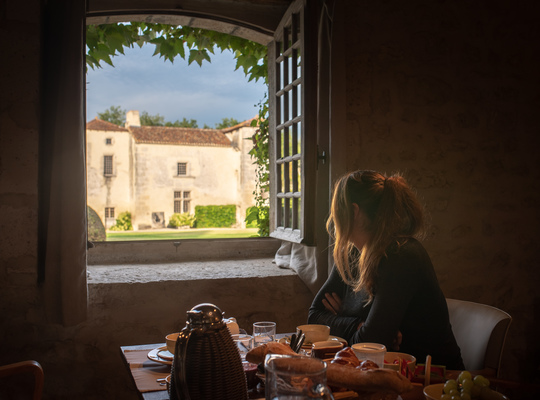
(26, 367)
(480, 331)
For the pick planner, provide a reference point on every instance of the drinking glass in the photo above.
(263, 332)
(295, 378)
(244, 343)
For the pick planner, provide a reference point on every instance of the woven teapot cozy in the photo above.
(206, 365)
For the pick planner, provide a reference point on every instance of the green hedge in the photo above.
(215, 216)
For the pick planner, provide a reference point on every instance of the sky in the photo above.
(207, 94)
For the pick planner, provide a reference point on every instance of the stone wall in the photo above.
(442, 91)
(446, 93)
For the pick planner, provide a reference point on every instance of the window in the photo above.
(187, 201)
(108, 141)
(109, 212)
(182, 202)
(107, 165)
(293, 156)
(181, 168)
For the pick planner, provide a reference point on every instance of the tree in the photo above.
(115, 115)
(226, 123)
(106, 41)
(152, 120)
(192, 123)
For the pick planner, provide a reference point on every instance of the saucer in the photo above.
(161, 355)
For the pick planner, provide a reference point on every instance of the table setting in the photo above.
(215, 354)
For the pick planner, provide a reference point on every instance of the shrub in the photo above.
(184, 219)
(259, 217)
(123, 222)
(96, 229)
(215, 216)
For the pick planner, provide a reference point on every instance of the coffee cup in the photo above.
(326, 349)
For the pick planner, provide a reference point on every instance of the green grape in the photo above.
(446, 397)
(454, 392)
(464, 375)
(449, 385)
(481, 381)
(467, 385)
(465, 396)
(455, 397)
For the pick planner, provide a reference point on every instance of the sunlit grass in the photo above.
(172, 234)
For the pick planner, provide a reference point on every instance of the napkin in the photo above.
(145, 371)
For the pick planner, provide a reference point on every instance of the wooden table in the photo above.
(163, 395)
(513, 390)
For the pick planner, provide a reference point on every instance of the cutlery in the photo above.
(292, 343)
(300, 342)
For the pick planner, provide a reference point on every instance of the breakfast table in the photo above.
(145, 374)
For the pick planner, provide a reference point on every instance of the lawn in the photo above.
(173, 234)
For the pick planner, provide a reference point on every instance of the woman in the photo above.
(383, 287)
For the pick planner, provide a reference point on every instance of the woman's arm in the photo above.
(341, 324)
(399, 278)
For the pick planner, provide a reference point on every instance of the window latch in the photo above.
(321, 157)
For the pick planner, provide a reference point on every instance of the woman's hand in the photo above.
(397, 341)
(332, 303)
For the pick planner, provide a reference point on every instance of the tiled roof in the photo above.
(238, 126)
(100, 125)
(174, 135)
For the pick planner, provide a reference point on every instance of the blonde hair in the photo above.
(393, 214)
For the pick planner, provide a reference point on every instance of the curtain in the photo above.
(62, 237)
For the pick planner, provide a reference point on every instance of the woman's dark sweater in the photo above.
(407, 298)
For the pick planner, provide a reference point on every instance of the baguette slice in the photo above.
(258, 354)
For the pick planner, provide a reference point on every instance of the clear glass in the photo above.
(295, 377)
(263, 332)
(244, 343)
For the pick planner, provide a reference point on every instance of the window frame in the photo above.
(105, 172)
(300, 228)
(235, 246)
(178, 164)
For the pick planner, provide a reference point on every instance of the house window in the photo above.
(107, 165)
(108, 141)
(109, 212)
(181, 168)
(182, 202)
(293, 157)
(186, 200)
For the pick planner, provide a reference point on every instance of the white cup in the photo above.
(263, 332)
(370, 351)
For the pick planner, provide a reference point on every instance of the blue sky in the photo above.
(139, 81)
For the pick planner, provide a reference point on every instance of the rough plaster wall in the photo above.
(446, 92)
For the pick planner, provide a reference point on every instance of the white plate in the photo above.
(161, 355)
(287, 339)
(338, 339)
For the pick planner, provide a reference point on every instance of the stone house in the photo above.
(155, 171)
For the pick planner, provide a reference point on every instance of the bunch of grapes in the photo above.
(465, 387)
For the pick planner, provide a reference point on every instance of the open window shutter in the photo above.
(293, 137)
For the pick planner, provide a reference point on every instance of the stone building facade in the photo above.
(155, 171)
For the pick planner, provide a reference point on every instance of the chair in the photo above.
(480, 331)
(26, 367)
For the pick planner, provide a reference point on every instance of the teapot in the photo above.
(206, 364)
